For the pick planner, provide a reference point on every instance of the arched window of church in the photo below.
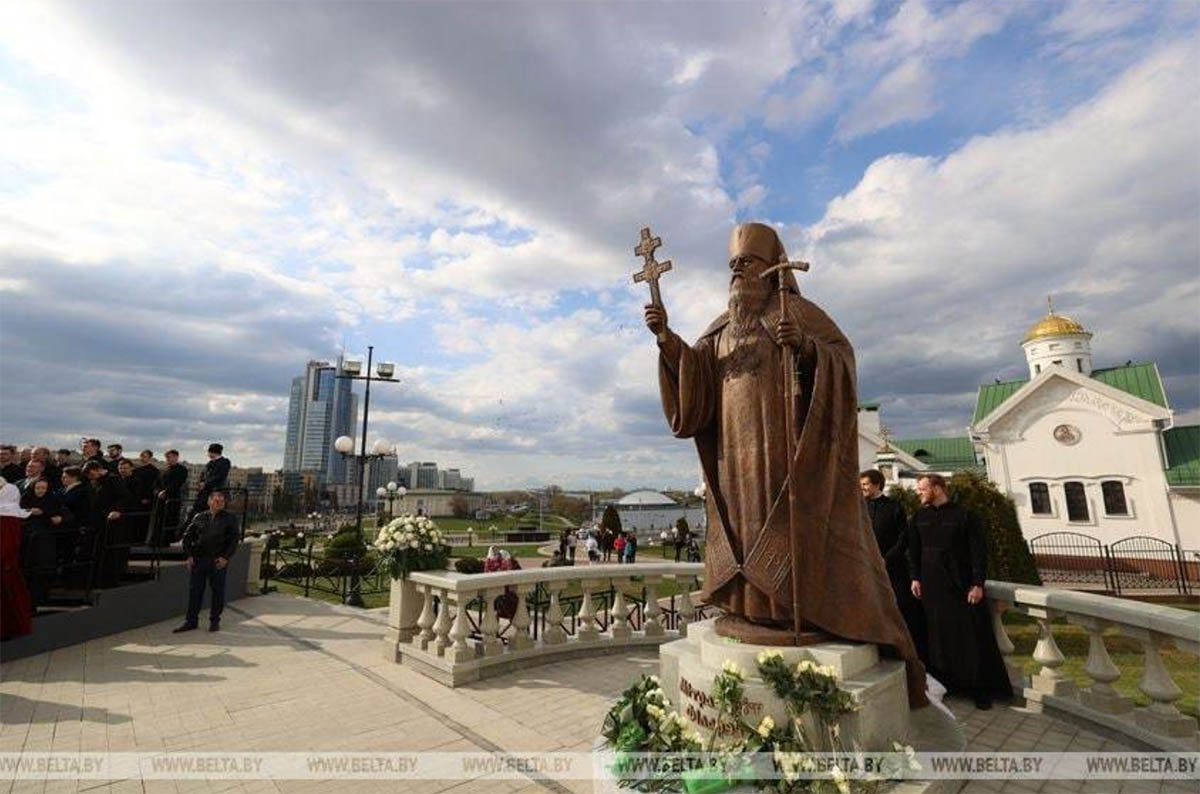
(1114, 498)
(1079, 364)
(1039, 498)
(1077, 509)
(1037, 369)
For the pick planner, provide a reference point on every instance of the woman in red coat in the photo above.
(16, 611)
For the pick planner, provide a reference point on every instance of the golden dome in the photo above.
(1055, 325)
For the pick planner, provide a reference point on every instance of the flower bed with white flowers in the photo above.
(411, 543)
(658, 749)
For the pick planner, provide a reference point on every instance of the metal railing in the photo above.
(312, 571)
(1077, 561)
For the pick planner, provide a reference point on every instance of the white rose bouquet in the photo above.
(411, 543)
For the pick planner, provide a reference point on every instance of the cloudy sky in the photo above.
(197, 198)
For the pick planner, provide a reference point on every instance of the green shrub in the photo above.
(1009, 559)
(468, 565)
(346, 545)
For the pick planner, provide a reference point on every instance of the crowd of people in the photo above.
(70, 519)
(937, 564)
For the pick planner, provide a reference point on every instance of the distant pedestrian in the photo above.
(593, 549)
(210, 540)
(631, 544)
(618, 546)
(572, 542)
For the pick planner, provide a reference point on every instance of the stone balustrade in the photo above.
(450, 625)
(1159, 725)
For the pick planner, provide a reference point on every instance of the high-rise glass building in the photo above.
(321, 408)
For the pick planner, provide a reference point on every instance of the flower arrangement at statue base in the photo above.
(411, 543)
(657, 749)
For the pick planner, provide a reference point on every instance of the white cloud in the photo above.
(904, 94)
(1098, 207)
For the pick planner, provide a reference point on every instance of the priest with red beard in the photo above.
(727, 392)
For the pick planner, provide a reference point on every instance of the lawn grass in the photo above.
(1126, 654)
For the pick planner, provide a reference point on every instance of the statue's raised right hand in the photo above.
(656, 318)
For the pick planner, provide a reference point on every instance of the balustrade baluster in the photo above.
(1016, 676)
(425, 619)
(554, 633)
(489, 626)
(687, 610)
(459, 651)
(520, 622)
(1161, 717)
(1100, 668)
(619, 629)
(441, 626)
(652, 614)
(1049, 680)
(587, 631)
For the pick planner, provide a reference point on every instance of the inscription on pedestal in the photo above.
(698, 706)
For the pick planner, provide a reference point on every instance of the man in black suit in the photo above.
(216, 473)
(50, 471)
(890, 524)
(10, 466)
(116, 454)
(174, 478)
(91, 451)
(77, 509)
(34, 471)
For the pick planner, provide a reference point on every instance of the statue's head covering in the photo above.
(760, 240)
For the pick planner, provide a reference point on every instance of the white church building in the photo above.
(1093, 451)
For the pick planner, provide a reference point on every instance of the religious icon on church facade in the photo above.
(1067, 434)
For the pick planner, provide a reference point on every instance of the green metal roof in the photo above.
(1140, 380)
(944, 454)
(1183, 455)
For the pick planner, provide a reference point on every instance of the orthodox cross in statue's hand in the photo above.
(652, 270)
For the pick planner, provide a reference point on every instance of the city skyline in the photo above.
(188, 217)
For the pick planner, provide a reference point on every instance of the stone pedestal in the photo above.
(404, 606)
(688, 667)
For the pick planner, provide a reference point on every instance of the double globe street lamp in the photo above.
(353, 370)
(392, 492)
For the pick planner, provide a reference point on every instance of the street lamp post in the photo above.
(352, 370)
(392, 492)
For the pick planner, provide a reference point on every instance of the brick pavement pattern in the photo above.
(292, 674)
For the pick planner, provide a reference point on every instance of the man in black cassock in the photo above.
(947, 560)
(890, 525)
(109, 536)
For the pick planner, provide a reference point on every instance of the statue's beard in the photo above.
(747, 305)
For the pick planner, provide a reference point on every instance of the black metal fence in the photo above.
(312, 572)
(1138, 563)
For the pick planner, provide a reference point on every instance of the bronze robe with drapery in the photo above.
(726, 392)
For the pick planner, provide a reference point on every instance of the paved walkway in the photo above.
(291, 674)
